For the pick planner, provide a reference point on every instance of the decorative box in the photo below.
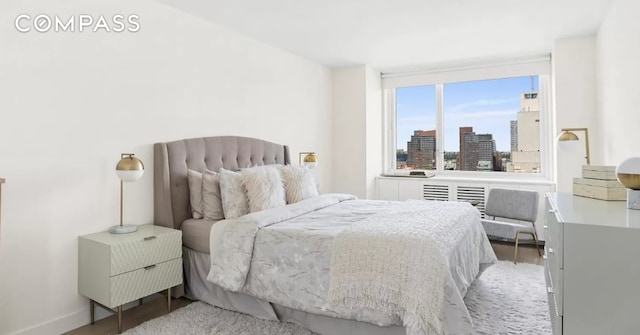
(599, 182)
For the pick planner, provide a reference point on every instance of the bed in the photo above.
(293, 254)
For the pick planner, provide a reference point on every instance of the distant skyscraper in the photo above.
(478, 151)
(461, 155)
(421, 150)
(514, 135)
(527, 156)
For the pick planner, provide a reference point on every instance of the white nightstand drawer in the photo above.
(148, 249)
(143, 282)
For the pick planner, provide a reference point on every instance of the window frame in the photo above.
(540, 67)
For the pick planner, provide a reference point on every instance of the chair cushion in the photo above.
(504, 229)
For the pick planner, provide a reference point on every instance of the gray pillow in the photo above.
(211, 198)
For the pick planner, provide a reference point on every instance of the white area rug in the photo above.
(506, 299)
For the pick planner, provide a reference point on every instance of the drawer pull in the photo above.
(544, 257)
(149, 238)
(545, 227)
(549, 290)
(149, 267)
(551, 251)
(552, 211)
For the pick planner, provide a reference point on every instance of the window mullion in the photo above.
(439, 127)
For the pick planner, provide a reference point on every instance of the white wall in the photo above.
(349, 130)
(357, 130)
(374, 142)
(618, 57)
(70, 103)
(575, 95)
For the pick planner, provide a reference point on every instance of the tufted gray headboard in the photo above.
(172, 159)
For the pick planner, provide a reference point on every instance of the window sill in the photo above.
(454, 177)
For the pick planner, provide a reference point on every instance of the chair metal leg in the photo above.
(515, 258)
(535, 237)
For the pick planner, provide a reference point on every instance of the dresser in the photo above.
(114, 269)
(592, 266)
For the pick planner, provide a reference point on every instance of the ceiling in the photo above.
(401, 35)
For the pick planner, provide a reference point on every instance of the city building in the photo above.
(477, 151)
(526, 157)
(461, 157)
(514, 135)
(421, 150)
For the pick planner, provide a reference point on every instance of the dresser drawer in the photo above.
(143, 282)
(146, 250)
(552, 300)
(554, 235)
(556, 279)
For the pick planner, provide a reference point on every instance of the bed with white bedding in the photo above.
(278, 263)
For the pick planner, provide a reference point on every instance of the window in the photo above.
(492, 124)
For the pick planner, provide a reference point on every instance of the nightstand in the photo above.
(114, 269)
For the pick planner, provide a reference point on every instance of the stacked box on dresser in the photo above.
(599, 182)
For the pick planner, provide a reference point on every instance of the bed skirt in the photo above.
(196, 268)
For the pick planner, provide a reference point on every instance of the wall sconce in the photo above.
(568, 135)
(310, 159)
(128, 169)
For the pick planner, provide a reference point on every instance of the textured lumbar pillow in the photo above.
(234, 197)
(299, 183)
(211, 198)
(264, 187)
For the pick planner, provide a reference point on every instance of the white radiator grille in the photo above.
(472, 193)
(435, 192)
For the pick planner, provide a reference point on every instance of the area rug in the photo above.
(506, 299)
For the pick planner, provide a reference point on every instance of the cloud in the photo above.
(511, 114)
(481, 103)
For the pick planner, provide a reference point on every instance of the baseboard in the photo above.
(75, 320)
(58, 325)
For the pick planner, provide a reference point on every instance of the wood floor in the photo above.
(157, 307)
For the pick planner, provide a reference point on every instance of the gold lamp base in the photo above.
(125, 229)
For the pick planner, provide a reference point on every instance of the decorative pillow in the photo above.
(194, 178)
(211, 199)
(264, 187)
(299, 183)
(234, 198)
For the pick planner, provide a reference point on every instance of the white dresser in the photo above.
(114, 269)
(592, 266)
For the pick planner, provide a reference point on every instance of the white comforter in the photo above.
(283, 255)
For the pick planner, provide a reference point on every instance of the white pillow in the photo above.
(299, 183)
(194, 178)
(264, 187)
(234, 198)
(211, 198)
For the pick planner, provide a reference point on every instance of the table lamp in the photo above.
(128, 169)
(310, 159)
(628, 173)
(568, 135)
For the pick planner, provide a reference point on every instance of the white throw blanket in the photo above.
(397, 262)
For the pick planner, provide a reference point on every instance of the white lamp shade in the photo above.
(129, 175)
(310, 165)
(628, 173)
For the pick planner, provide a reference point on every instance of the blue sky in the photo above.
(488, 106)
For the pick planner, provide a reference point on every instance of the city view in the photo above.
(497, 130)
